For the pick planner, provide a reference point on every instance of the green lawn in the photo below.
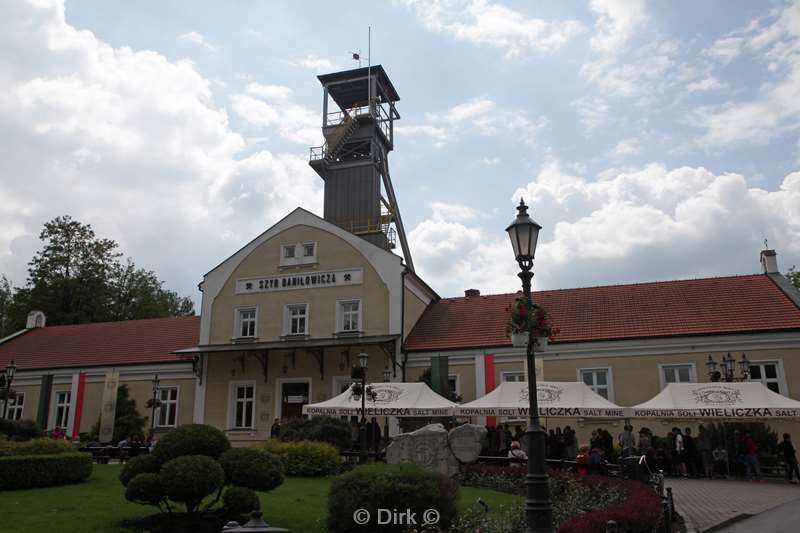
(98, 505)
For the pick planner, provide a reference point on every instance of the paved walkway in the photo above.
(781, 519)
(705, 504)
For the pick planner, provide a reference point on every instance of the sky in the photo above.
(652, 140)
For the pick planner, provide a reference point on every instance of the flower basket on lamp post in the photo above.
(520, 339)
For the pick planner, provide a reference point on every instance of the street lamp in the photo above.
(155, 404)
(524, 235)
(363, 359)
(728, 368)
(5, 383)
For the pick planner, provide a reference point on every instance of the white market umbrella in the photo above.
(391, 399)
(745, 400)
(555, 399)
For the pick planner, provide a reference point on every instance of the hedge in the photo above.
(328, 429)
(306, 458)
(20, 430)
(33, 471)
(38, 446)
(382, 486)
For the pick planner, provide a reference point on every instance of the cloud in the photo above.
(706, 84)
(198, 39)
(592, 111)
(775, 110)
(270, 107)
(132, 143)
(617, 21)
(725, 50)
(650, 223)
(313, 62)
(411, 133)
(626, 147)
(487, 23)
(482, 117)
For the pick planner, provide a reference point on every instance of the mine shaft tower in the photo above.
(354, 162)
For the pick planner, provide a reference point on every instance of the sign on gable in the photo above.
(305, 280)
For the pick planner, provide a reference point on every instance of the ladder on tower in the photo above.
(340, 137)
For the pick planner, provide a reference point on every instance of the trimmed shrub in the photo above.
(38, 446)
(145, 489)
(374, 487)
(640, 512)
(191, 478)
(20, 430)
(306, 458)
(32, 471)
(334, 431)
(192, 439)
(251, 468)
(141, 464)
(239, 500)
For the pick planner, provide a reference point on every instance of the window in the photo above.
(768, 373)
(15, 406)
(513, 376)
(243, 406)
(247, 322)
(297, 319)
(167, 415)
(62, 409)
(677, 374)
(350, 316)
(454, 384)
(598, 379)
(300, 253)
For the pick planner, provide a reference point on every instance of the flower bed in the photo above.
(581, 504)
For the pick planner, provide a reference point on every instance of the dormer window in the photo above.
(298, 254)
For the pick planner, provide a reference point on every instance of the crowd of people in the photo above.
(680, 452)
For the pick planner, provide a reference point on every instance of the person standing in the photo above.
(751, 457)
(678, 453)
(626, 441)
(275, 430)
(690, 452)
(786, 449)
(704, 446)
(570, 446)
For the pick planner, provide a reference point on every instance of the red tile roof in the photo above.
(103, 343)
(659, 309)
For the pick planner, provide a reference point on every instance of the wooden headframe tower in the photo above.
(354, 162)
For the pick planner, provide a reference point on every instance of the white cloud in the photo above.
(270, 106)
(132, 143)
(706, 84)
(452, 212)
(411, 133)
(313, 62)
(642, 225)
(592, 111)
(626, 147)
(487, 23)
(617, 21)
(725, 50)
(198, 39)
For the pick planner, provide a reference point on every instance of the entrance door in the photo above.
(293, 397)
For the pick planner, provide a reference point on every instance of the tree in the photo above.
(77, 277)
(127, 420)
(425, 377)
(794, 277)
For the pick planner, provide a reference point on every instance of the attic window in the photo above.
(309, 249)
(288, 251)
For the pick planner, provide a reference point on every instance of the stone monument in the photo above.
(432, 447)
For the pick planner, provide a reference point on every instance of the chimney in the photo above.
(36, 319)
(769, 262)
(471, 293)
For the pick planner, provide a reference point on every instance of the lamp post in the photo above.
(155, 403)
(363, 358)
(727, 369)
(6, 380)
(524, 234)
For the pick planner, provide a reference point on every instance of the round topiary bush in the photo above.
(251, 468)
(146, 489)
(239, 500)
(306, 458)
(379, 486)
(191, 478)
(191, 439)
(141, 464)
